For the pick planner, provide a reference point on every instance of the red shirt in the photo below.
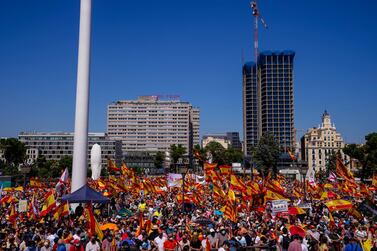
(170, 244)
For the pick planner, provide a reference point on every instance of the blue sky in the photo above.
(187, 48)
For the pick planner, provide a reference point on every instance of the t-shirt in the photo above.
(212, 240)
(222, 238)
(182, 244)
(168, 244)
(92, 247)
(160, 242)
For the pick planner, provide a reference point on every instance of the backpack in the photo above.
(285, 242)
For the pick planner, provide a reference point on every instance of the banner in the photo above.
(174, 180)
(279, 206)
(22, 206)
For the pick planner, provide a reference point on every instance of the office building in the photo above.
(234, 139)
(319, 143)
(55, 145)
(227, 140)
(151, 124)
(268, 99)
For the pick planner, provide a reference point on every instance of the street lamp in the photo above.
(303, 170)
(183, 170)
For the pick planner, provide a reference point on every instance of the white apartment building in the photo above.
(55, 145)
(318, 144)
(151, 124)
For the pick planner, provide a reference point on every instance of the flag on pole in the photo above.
(49, 203)
(62, 185)
(111, 167)
(61, 211)
(336, 205)
(94, 227)
(12, 214)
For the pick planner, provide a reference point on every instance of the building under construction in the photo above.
(268, 98)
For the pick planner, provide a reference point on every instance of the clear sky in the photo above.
(188, 48)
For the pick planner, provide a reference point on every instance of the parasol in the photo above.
(110, 226)
(297, 230)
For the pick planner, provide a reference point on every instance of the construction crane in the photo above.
(257, 17)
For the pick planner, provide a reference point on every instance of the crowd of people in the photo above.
(202, 218)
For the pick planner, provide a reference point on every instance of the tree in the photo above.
(159, 159)
(14, 151)
(216, 151)
(233, 156)
(331, 163)
(366, 154)
(176, 152)
(266, 153)
(66, 162)
(200, 154)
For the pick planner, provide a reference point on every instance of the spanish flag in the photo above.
(336, 205)
(272, 195)
(124, 169)
(111, 167)
(218, 193)
(331, 221)
(49, 203)
(32, 210)
(12, 214)
(61, 211)
(236, 184)
(231, 196)
(94, 227)
(225, 169)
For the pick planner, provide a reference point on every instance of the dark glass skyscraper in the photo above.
(268, 98)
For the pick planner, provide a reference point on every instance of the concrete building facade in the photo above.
(151, 124)
(55, 145)
(268, 99)
(228, 139)
(219, 138)
(319, 143)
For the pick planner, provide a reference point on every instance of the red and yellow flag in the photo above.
(94, 227)
(111, 167)
(61, 211)
(272, 195)
(342, 171)
(236, 183)
(225, 169)
(209, 166)
(336, 205)
(124, 169)
(49, 203)
(230, 211)
(12, 214)
(148, 187)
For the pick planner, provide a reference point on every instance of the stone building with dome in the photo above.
(318, 143)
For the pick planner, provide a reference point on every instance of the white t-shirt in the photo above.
(92, 247)
(160, 242)
(304, 247)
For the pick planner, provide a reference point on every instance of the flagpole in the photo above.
(80, 145)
